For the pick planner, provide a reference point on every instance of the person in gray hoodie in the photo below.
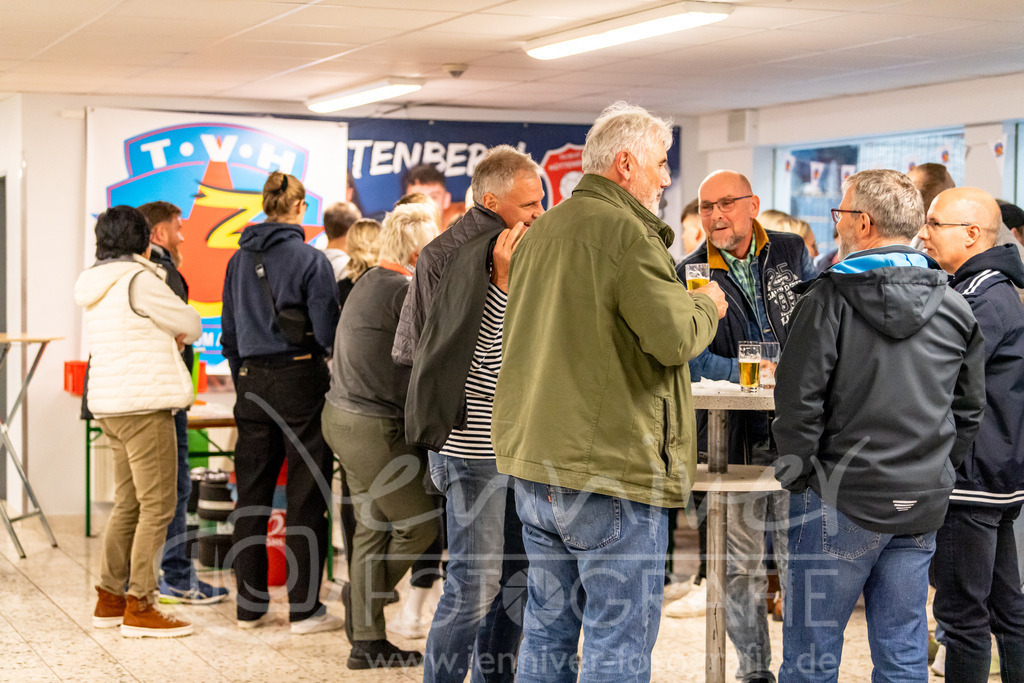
(880, 392)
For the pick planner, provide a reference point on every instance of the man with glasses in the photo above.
(879, 393)
(756, 270)
(977, 584)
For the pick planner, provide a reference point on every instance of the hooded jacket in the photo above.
(880, 390)
(992, 474)
(299, 276)
(131, 320)
(594, 390)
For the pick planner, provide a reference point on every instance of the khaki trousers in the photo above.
(145, 479)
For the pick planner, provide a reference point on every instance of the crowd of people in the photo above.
(514, 386)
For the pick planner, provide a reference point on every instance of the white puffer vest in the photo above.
(135, 366)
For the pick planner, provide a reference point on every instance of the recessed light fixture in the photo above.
(677, 16)
(364, 94)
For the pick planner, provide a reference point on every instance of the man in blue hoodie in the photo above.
(879, 393)
(977, 585)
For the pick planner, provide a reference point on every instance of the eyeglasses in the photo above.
(931, 225)
(837, 214)
(726, 205)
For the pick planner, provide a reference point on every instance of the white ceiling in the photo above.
(766, 52)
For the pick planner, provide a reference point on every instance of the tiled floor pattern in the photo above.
(46, 603)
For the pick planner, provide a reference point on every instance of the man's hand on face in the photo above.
(712, 290)
(507, 241)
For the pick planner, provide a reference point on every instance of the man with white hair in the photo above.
(592, 413)
(450, 332)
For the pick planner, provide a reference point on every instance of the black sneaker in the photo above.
(381, 654)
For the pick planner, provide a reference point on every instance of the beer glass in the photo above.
(770, 353)
(750, 361)
(697, 275)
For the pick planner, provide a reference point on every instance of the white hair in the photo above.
(623, 127)
(406, 230)
(890, 198)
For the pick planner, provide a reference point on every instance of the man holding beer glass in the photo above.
(756, 270)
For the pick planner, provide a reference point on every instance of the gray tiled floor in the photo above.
(46, 603)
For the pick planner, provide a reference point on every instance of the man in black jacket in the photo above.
(879, 393)
(451, 332)
(976, 575)
(179, 582)
(756, 270)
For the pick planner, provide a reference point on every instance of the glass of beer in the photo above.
(750, 361)
(769, 359)
(697, 275)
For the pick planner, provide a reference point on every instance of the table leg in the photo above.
(718, 462)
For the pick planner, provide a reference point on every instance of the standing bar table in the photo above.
(718, 479)
(6, 341)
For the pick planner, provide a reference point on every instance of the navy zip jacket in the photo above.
(992, 473)
(782, 262)
(299, 276)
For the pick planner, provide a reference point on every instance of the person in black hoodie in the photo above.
(977, 584)
(879, 393)
(280, 382)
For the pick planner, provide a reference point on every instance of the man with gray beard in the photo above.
(756, 270)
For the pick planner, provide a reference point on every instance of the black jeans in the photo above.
(277, 412)
(977, 591)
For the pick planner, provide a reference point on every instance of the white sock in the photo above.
(414, 601)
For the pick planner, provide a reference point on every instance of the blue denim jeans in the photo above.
(750, 516)
(597, 563)
(831, 562)
(479, 615)
(176, 564)
(977, 591)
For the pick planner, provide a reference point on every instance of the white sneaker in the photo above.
(318, 624)
(694, 604)
(939, 664)
(408, 626)
(676, 590)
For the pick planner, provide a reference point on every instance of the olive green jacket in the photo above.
(594, 388)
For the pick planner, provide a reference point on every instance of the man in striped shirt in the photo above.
(451, 331)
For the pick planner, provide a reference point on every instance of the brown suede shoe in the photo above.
(109, 609)
(142, 619)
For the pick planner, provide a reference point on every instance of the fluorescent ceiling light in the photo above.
(678, 16)
(364, 94)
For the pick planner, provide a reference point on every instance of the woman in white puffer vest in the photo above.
(137, 379)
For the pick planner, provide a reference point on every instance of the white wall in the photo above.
(980, 105)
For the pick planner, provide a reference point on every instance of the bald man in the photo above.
(976, 573)
(756, 270)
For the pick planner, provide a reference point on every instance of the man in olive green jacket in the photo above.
(593, 413)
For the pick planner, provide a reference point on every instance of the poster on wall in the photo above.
(212, 168)
(381, 151)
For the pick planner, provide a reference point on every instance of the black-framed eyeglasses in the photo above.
(837, 214)
(727, 204)
(931, 225)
